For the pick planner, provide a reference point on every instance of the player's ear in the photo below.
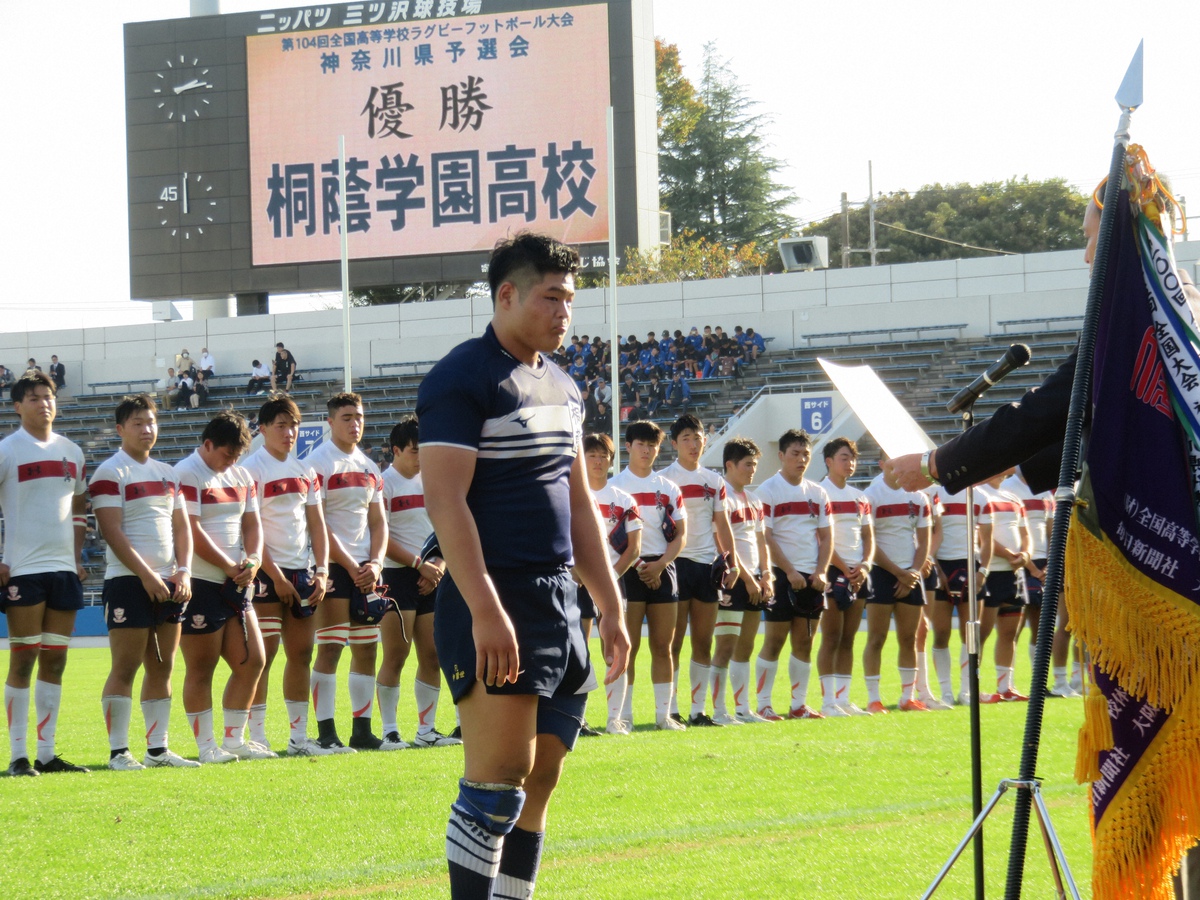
(507, 294)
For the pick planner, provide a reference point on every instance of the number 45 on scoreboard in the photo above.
(816, 414)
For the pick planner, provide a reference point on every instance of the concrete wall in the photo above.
(978, 293)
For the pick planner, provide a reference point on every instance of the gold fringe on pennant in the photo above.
(1141, 634)
(1095, 735)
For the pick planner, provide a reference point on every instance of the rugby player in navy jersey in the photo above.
(507, 494)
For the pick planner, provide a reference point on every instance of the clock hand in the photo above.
(185, 193)
(191, 85)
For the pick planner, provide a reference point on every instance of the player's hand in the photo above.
(907, 471)
(901, 590)
(182, 582)
(320, 587)
(366, 577)
(818, 582)
(5, 572)
(927, 567)
(1034, 571)
(244, 574)
(980, 581)
(797, 580)
(497, 661)
(731, 578)
(615, 638)
(155, 587)
(425, 587)
(430, 572)
(650, 574)
(286, 591)
(754, 592)
(858, 577)
(81, 571)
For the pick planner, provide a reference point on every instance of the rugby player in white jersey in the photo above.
(651, 586)
(1005, 608)
(709, 536)
(140, 512)
(352, 494)
(799, 537)
(849, 578)
(623, 529)
(289, 589)
(42, 484)
(902, 531)
(741, 608)
(411, 581)
(220, 623)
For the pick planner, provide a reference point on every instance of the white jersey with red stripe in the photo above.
(147, 494)
(349, 484)
(219, 500)
(620, 514)
(38, 481)
(1008, 520)
(404, 502)
(285, 489)
(793, 513)
(1039, 512)
(850, 512)
(896, 516)
(704, 496)
(953, 510)
(747, 522)
(657, 499)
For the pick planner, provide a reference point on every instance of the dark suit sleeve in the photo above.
(1027, 430)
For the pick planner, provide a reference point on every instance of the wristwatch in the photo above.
(925, 467)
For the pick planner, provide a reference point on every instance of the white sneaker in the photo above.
(307, 747)
(434, 738)
(617, 726)
(749, 717)
(853, 710)
(171, 759)
(1063, 690)
(216, 755)
(1077, 684)
(932, 702)
(124, 762)
(263, 743)
(669, 724)
(725, 718)
(393, 741)
(250, 750)
(834, 711)
(964, 698)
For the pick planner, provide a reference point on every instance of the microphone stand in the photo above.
(972, 629)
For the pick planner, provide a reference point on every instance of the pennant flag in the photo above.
(1132, 571)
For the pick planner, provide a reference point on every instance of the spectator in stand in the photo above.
(600, 352)
(285, 368)
(655, 365)
(679, 394)
(597, 417)
(199, 391)
(711, 367)
(644, 357)
(710, 340)
(184, 390)
(631, 399)
(694, 340)
(260, 376)
(577, 370)
(58, 372)
(185, 363)
(6, 376)
(754, 345)
(656, 395)
(166, 386)
(31, 366)
(664, 342)
(208, 365)
(602, 392)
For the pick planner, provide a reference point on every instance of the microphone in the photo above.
(1016, 356)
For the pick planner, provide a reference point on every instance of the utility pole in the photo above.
(871, 212)
(845, 232)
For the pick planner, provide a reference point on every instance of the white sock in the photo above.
(117, 711)
(718, 677)
(922, 674)
(324, 694)
(362, 695)
(389, 698)
(297, 711)
(829, 690)
(627, 706)
(843, 688)
(739, 685)
(202, 728)
(941, 665)
(616, 697)
(764, 675)
(157, 716)
(873, 688)
(46, 700)
(258, 723)
(427, 705)
(908, 683)
(698, 675)
(235, 724)
(1060, 677)
(798, 674)
(1076, 675)
(675, 692)
(1003, 679)
(662, 700)
(16, 705)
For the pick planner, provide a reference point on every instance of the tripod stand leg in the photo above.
(974, 829)
(1054, 850)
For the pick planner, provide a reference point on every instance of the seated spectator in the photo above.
(208, 365)
(710, 340)
(598, 418)
(184, 390)
(600, 351)
(711, 366)
(286, 368)
(695, 340)
(199, 395)
(6, 376)
(31, 366)
(631, 400)
(656, 395)
(58, 372)
(755, 344)
(679, 394)
(165, 386)
(664, 342)
(185, 363)
(602, 392)
(577, 369)
(260, 377)
(90, 551)
(655, 363)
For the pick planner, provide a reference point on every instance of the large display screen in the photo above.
(457, 133)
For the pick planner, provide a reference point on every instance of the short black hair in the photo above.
(227, 429)
(837, 444)
(794, 436)
(404, 433)
(27, 382)
(598, 441)
(526, 258)
(643, 430)
(343, 398)
(276, 407)
(134, 404)
(686, 422)
(738, 448)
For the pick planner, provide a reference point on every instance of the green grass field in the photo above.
(847, 808)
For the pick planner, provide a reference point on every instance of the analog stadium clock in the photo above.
(182, 84)
(187, 206)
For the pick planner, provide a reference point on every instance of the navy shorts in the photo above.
(840, 594)
(789, 603)
(883, 590)
(1005, 593)
(340, 582)
(587, 606)
(931, 580)
(127, 605)
(303, 580)
(212, 605)
(401, 583)
(638, 592)
(955, 588)
(62, 591)
(562, 717)
(739, 599)
(695, 580)
(545, 616)
(1034, 587)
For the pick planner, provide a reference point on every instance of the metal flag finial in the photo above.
(1129, 94)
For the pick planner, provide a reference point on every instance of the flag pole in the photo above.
(1129, 98)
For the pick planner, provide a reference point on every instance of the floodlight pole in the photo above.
(345, 236)
(614, 353)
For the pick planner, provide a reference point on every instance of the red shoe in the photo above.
(1012, 696)
(876, 706)
(769, 714)
(913, 705)
(804, 713)
(991, 698)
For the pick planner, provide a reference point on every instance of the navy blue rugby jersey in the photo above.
(526, 427)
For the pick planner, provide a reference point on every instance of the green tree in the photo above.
(687, 258)
(1018, 215)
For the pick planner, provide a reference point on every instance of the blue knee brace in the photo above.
(494, 807)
